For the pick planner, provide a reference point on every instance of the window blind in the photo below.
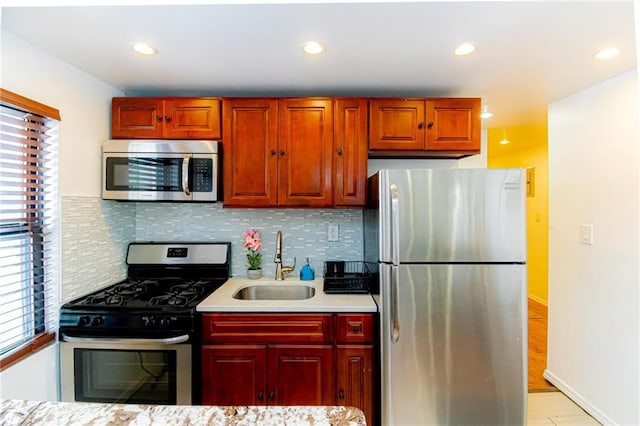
(28, 231)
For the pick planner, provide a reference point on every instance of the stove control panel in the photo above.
(123, 322)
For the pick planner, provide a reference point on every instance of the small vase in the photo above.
(254, 274)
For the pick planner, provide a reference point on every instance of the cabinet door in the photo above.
(137, 118)
(234, 375)
(397, 124)
(350, 147)
(192, 118)
(354, 382)
(305, 152)
(250, 152)
(300, 375)
(454, 124)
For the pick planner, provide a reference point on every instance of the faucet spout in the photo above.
(281, 270)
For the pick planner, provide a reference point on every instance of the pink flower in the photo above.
(253, 244)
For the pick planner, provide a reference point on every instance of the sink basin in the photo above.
(275, 292)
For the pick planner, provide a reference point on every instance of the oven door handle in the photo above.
(165, 341)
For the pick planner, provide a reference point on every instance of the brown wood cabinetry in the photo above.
(288, 359)
(305, 148)
(350, 118)
(165, 118)
(438, 127)
(281, 152)
(250, 146)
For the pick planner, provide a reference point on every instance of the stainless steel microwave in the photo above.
(160, 170)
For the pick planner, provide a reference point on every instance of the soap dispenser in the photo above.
(306, 272)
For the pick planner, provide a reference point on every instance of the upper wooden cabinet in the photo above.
(305, 148)
(294, 152)
(165, 118)
(250, 143)
(350, 151)
(439, 127)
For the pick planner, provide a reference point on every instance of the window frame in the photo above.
(41, 335)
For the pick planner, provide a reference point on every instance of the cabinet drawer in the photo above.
(355, 328)
(267, 328)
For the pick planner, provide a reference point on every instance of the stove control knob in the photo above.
(97, 321)
(83, 320)
(149, 321)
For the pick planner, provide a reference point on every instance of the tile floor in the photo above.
(554, 408)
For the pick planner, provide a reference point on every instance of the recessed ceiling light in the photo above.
(143, 49)
(607, 53)
(504, 142)
(486, 113)
(464, 49)
(313, 48)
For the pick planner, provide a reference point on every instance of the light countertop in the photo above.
(16, 412)
(222, 299)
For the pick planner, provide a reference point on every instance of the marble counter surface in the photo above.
(16, 412)
(222, 299)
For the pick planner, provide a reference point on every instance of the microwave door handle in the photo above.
(185, 174)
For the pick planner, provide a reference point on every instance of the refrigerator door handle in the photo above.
(395, 226)
(395, 308)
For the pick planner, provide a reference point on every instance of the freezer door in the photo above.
(452, 215)
(458, 353)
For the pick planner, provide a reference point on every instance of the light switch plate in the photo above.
(586, 234)
(332, 232)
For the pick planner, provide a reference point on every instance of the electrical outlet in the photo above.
(332, 232)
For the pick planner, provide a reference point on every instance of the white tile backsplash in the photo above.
(304, 231)
(94, 239)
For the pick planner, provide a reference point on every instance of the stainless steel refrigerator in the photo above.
(450, 249)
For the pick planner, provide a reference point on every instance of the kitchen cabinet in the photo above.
(165, 118)
(278, 152)
(350, 151)
(428, 128)
(271, 359)
(288, 359)
(250, 145)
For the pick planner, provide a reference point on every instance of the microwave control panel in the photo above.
(202, 175)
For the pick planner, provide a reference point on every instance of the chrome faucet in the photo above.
(280, 269)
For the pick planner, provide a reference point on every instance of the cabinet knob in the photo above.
(282, 152)
(341, 394)
(421, 125)
(429, 124)
(356, 329)
(159, 117)
(260, 395)
(339, 151)
(167, 118)
(271, 394)
(273, 152)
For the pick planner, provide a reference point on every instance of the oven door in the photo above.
(140, 371)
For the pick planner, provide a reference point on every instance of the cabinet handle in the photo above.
(356, 329)
(429, 124)
(159, 117)
(260, 395)
(273, 152)
(271, 394)
(421, 125)
(167, 118)
(339, 151)
(282, 152)
(341, 394)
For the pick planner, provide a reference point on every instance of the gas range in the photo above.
(165, 283)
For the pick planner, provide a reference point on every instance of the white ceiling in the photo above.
(530, 53)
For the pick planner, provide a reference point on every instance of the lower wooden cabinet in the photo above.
(277, 363)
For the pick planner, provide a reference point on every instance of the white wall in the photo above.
(83, 101)
(594, 322)
(84, 105)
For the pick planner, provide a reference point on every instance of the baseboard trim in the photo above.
(539, 300)
(578, 399)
